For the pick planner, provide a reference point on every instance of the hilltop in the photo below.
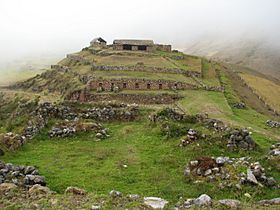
(142, 120)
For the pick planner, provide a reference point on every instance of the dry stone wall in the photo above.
(141, 67)
(86, 96)
(138, 84)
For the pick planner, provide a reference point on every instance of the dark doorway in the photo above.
(142, 47)
(112, 86)
(127, 47)
(124, 85)
(160, 86)
(136, 85)
(148, 86)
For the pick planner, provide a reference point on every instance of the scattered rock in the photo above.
(203, 200)
(155, 203)
(115, 194)
(75, 191)
(273, 124)
(133, 197)
(192, 136)
(239, 105)
(230, 203)
(251, 177)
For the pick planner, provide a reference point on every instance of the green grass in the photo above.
(155, 164)
(209, 76)
(143, 75)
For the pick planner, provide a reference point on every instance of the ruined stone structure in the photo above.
(139, 45)
(137, 84)
(98, 42)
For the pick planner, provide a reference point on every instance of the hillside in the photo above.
(140, 124)
(255, 54)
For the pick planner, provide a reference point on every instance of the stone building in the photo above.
(98, 42)
(139, 45)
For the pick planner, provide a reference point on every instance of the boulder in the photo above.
(274, 201)
(155, 203)
(39, 190)
(75, 191)
(230, 203)
(203, 200)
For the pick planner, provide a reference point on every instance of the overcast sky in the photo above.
(59, 26)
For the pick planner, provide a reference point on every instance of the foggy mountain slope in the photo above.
(254, 54)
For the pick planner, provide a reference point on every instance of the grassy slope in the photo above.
(143, 75)
(267, 89)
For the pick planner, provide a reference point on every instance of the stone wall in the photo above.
(142, 67)
(137, 84)
(162, 47)
(125, 98)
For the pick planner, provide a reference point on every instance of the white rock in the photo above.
(155, 203)
(203, 200)
(251, 177)
(230, 203)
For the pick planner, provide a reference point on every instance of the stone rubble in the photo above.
(203, 201)
(273, 124)
(239, 105)
(192, 136)
(70, 128)
(275, 150)
(23, 176)
(240, 138)
(214, 169)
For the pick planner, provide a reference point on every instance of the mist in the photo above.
(53, 28)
